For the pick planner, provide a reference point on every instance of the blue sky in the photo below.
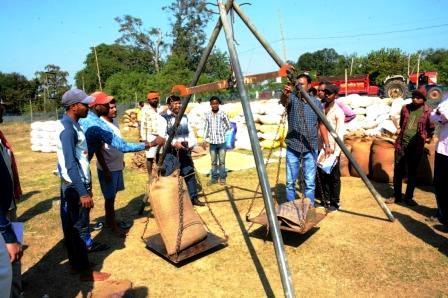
(37, 33)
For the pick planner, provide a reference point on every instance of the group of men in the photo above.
(87, 129)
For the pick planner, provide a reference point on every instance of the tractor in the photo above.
(398, 86)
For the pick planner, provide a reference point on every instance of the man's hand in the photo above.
(328, 150)
(178, 145)
(428, 140)
(147, 145)
(86, 201)
(15, 251)
(159, 141)
(204, 144)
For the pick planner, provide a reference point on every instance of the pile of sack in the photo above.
(131, 118)
(43, 136)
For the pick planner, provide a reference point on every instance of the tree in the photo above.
(112, 59)
(218, 66)
(326, 62)
(52, 83)
(437, 60)
(16, 91)
(187, 29)
(148, 40)
(128, 86)
(384, 62)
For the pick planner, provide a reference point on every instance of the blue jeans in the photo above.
(75, 220)
(218, 156)
(293, 159)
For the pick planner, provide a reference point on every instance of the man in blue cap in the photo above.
(76, 195)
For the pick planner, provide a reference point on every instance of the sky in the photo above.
(35, 33)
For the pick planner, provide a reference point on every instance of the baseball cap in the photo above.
(74, 96)
(152, 95)
(100, 98)
(331, 89)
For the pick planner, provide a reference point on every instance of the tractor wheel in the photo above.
(434, 93)
(395, 88)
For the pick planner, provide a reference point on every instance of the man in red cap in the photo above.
(415, 129)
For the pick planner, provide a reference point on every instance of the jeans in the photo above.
(74, 217)
(218, 154)
(293, 162)
(186, 165)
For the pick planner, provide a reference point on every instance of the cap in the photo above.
(152, 95)
(420, 93)
(100, 98)
(331, 89)
(74, 96)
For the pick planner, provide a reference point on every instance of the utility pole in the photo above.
(97, 69)
(418, 70)
(280, 19)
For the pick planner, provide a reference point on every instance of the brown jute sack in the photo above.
(344, 163)
(164, 198)
(361, 153)
(382, 158)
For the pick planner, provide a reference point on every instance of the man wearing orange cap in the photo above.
(97, 133)
(152, 125)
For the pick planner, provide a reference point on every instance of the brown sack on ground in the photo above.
(382, 160)
(164, 199)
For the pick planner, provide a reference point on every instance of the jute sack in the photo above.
(344, 163)
(382, 158)
(361, 153)
(293, 214)
(164, 198)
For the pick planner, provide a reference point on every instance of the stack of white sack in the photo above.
(43, 136)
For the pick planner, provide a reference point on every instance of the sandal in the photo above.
(98, 226)
(97, 246)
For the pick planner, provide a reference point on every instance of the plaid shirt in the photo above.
(302, 124)
(216, 125)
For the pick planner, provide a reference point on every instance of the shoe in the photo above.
(98, 226)
(196, 202)
(97, 246)
(222, 181)
(332, 209)
(211, 182)
(410, 202)
(390, 200)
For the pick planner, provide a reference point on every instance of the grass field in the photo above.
(353, 252)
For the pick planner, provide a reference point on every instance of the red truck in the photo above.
(359, 84)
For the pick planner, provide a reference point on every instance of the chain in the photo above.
(181, 211)
(280, 126)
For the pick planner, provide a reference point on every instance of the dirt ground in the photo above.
(353, 252)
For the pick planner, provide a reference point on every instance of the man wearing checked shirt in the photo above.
(301, 139)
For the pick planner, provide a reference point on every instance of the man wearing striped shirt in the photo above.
(216, 125)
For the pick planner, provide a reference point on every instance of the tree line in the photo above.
(145, 58)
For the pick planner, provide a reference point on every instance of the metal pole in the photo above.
(319, 113)
(259, 162)
(197, 74)
(260, 38)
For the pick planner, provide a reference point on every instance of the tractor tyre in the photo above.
(395, 88)
(434, 93)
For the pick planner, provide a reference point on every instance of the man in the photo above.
(301, 139)
(216, 125)
(152, 125)
(415, 129)
(331, 182)
(74, 170)
(10, 192)
(97, 134)
(440, 116)
(110, 172)
(348, 113)
(180, 149)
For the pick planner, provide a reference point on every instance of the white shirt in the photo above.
(442, 120)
